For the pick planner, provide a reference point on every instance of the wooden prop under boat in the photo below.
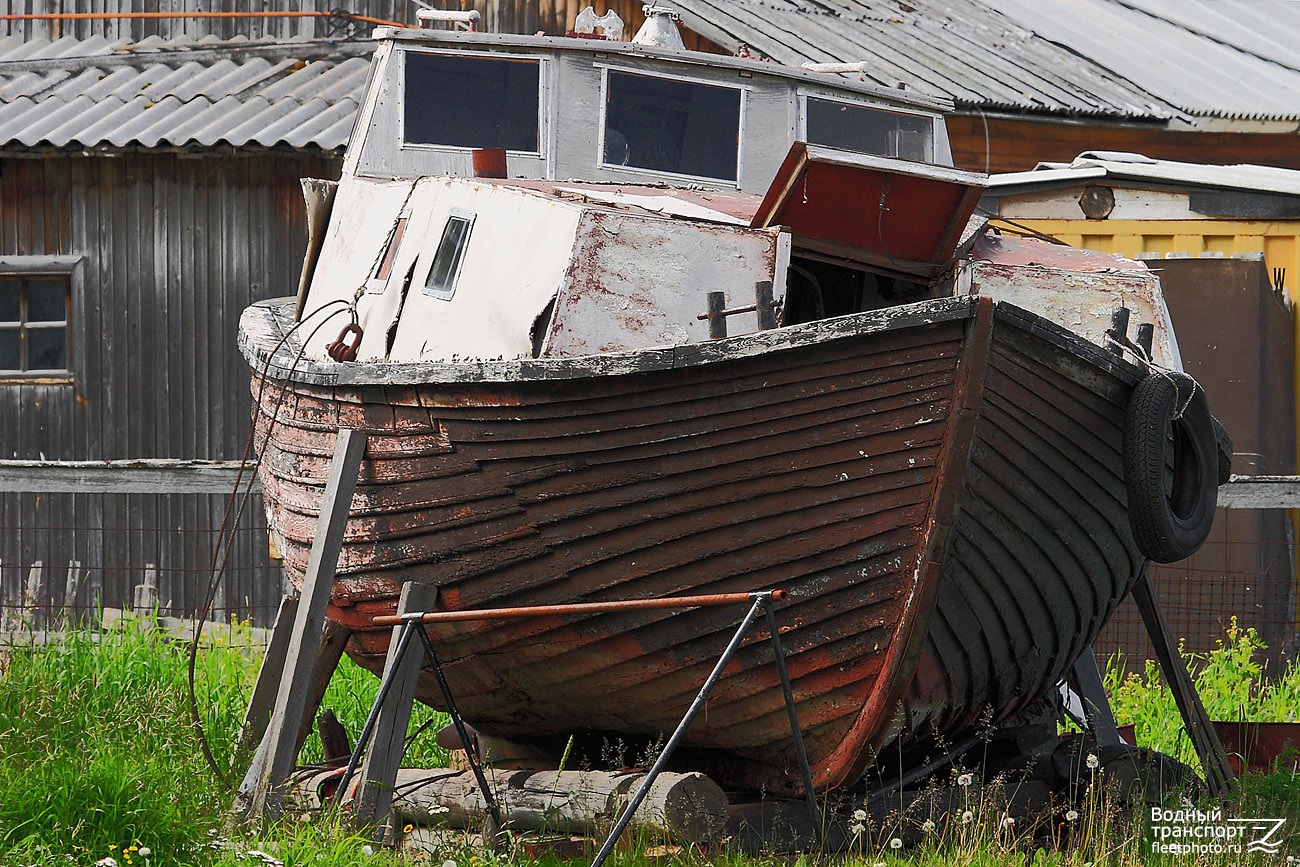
(938, 485)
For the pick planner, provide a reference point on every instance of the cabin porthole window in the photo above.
(440, 281)
(671, 126)
(868, 129)
(35, 317)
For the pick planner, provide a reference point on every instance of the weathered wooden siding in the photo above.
(136, 29)
(173, 248)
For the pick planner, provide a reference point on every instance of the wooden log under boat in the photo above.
(938, 486)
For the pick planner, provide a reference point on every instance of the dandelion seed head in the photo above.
(967, 817)
(449, 863)
(1071, 815)
(860, 815)
(928, 826)
(367, 850)
(856, 829)
(895, 843)
(110, 861)
(965, 780)
(1008, 822)
(1092, 762)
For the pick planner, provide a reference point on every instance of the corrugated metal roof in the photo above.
(1147, 59)
(1144, 170)
(960, 49)
(99, 93)
(1235, 59)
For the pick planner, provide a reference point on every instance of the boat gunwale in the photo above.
(264, 325)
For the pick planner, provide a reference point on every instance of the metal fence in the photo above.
(76, 539)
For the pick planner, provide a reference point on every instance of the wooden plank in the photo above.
(124, 477)
(1260, 492)
(333, 641)
(374, 798)
(280, 746)
(258, 715)
(1085, 679)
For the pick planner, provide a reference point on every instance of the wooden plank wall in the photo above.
(196, 28)
(173, 248)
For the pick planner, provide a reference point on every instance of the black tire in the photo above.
(1171, 515)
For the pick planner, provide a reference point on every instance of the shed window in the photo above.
(471, 102)
(667, 125)
(34, 312)
(870, 130)
(445, 268)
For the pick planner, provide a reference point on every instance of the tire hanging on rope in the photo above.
(1171, 466)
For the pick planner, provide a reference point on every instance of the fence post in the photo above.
(32, 593)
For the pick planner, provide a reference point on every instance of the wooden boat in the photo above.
(934, 472)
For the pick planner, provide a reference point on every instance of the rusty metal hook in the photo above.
(342, 349)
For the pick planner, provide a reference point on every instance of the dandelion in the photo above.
(145, 851)
(928, 826)
(860, 815)
(857, 828)
(965, 780)
(1092, 762)
(367, 850)
(895, 843)
(110, 861)
(967, 817)
(449, 863)
(1071, 815)
(1008, 822)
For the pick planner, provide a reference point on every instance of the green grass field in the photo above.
(99, 759)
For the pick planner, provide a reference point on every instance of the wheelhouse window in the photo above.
(456, 100)
(870, 130)
(440, 282)
(672, 126)
(34, 314)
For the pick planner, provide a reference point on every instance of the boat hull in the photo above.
(938, 487)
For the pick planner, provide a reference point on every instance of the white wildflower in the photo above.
(367, 850)
(965, 780)
(967, 817)
(145, 851)
(860, 815)
(895, 843)
(857, 828)
(1071, 815)
(1092, 762)
(449, 863)
(928, 826)
(1008, 822)
(110, 861)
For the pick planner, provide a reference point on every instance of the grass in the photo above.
(99, 759)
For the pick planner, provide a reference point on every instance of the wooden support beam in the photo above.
(258, 714)
(333, 641)
(1214, 761)
(1085, 680)
(372, 806)
(1260, 492)
(279, 751)
(145, 476)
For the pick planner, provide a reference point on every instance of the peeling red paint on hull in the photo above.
(937, 486)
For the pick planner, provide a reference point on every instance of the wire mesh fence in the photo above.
(67, 557)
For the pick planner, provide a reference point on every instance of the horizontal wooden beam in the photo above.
(1260, 492)
(146, 476)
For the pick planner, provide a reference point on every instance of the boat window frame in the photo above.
(744, 90)
(543, 118)
(378, 279)
(817, 93)
(448, 290)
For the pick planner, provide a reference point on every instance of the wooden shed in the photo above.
(149, 191)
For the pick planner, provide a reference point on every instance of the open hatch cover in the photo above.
(891, 214)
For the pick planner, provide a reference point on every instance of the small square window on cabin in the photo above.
(34, 313)
(668, 125)
(456, 100)
(870, 130)
(445, 268)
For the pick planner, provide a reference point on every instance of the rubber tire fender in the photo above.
(1170, 522)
